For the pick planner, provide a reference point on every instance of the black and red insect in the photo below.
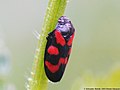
(58, 48)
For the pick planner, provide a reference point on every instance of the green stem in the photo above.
(38, 80)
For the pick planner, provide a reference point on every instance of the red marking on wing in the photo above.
(66, 60)
(52, 50)
(59, 38)
(63, 61)
(52, 68)
(55, 68)
(70, 40)
(69, 51)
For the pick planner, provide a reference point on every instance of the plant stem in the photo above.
(38, 80)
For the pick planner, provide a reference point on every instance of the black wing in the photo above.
(55, 64)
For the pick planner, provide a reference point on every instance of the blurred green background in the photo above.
(96, 48)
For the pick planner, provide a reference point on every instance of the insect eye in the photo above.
(60, 21)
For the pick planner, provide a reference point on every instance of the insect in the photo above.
(58, 49)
